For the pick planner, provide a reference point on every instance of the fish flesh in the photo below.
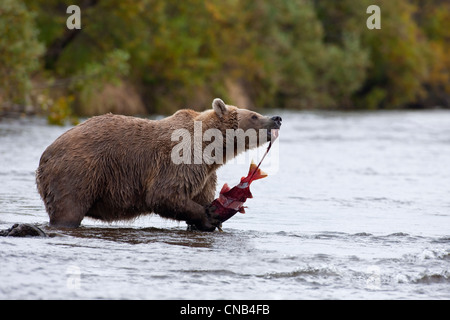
(231, 200)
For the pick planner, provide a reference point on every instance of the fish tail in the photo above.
(255, 173)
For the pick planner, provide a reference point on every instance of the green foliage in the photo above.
(19, 51)
(399, 52)
(95, 75)
(293, 54)
(434, 19)
(60, 111)
(400, 55)
(313, 73)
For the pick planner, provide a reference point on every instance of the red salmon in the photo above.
(231, 200)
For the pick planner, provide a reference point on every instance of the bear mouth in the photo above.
(272, 134)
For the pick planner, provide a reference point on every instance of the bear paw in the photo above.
(209, 222)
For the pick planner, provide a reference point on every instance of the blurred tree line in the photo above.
(155, 56)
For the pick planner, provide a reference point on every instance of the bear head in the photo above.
(247, 122)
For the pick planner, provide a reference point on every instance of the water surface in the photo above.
(356, 206)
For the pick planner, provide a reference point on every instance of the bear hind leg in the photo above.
(67, 214)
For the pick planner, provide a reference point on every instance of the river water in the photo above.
(356, 206)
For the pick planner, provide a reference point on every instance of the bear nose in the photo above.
(277, 120)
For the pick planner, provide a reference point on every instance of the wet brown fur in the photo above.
(114, 167)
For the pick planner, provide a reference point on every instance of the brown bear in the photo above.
(115, 167)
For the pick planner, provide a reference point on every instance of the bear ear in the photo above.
(219, 107)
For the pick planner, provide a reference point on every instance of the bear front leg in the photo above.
(187, 210)
(195, 210)
(205, 198)
(202, 217)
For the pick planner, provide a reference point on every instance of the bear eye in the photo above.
(254, 117)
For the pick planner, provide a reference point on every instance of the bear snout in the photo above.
(277, 120)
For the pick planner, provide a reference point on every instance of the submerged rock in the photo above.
(23, 230)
